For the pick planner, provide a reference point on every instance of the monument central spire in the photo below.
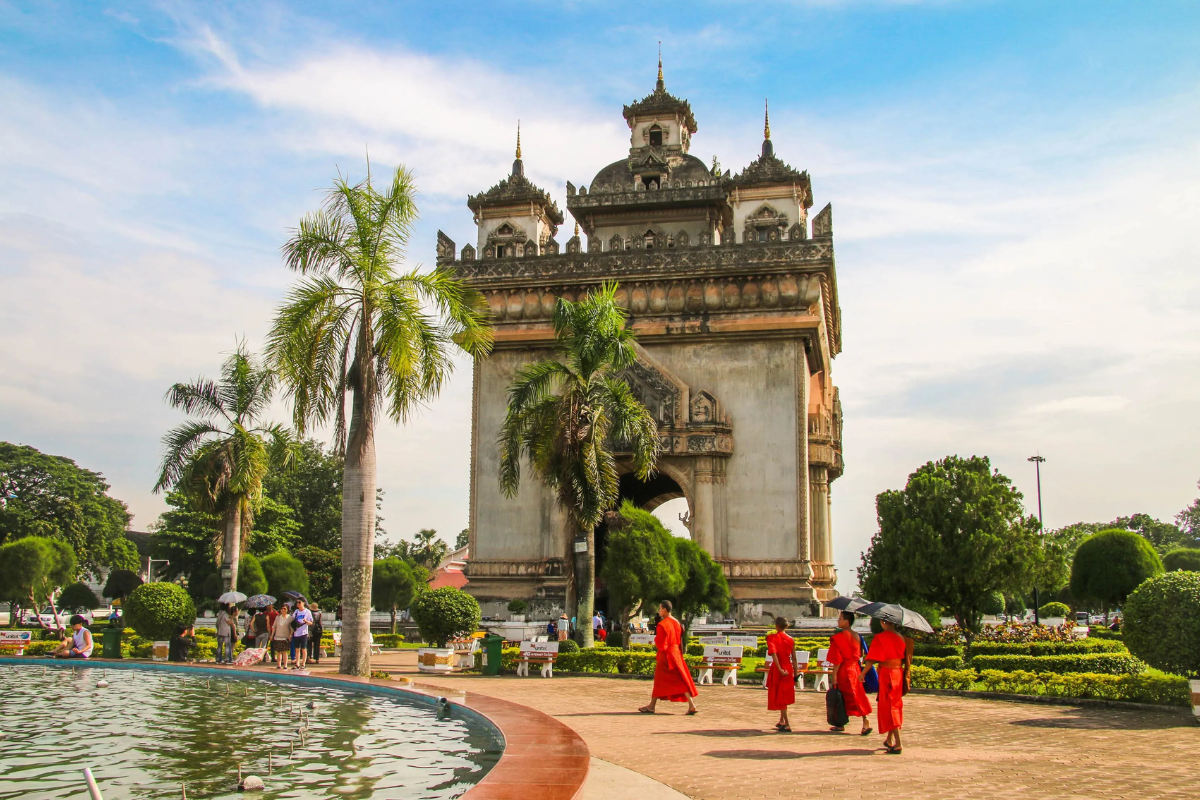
(660, 86)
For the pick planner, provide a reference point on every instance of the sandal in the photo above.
(894, 751)
(866, 732)
(693, 712)
(786, 729)
(646, 710)
(837, 729)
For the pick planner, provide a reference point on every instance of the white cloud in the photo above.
(1086, 403)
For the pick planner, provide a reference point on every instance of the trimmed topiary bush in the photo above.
(120, 583)
(251, 580)
(1100, 663)
(1111, 564)
(1183, 558)
(1162, 623)
(284, 573)
(442, 614)
(1079, 647)
(568, 646)
(77, 597)
(154, 610)
(1055, 610)
(517, 606)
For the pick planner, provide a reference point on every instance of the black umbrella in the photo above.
(897, 615)
(295, 596)
(844, 603)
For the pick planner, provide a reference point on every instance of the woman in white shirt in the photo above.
(281, 636)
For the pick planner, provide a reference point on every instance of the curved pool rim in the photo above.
(543, 759)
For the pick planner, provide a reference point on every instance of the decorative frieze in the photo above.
(783, 569)
(542, 568)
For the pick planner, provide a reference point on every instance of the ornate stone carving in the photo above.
(822, 224)
(468, 253)
(445, 248)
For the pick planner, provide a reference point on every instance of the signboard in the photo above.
(641, 638)
(711, 639)
(722, 653)
(581, 546)
(539, 647)
(744, 641)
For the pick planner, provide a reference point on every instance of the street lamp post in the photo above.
(1038, 460)
(150, 562)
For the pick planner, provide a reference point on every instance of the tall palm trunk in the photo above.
(586, 580)
(231, 551)
(358, 541)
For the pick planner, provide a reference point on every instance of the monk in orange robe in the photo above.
(781, 683)
(891, 653)
(844, 653)
(672, 678)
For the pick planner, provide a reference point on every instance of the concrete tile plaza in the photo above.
(954, 747)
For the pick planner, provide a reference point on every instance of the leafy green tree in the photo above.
(223, 454)
(1111, 564)
(463, 539)
(123, 555)
(704, 584)
(993, 604)
(1163, 536)
(392, 587)
(571, 416)
(120, 583)
(155, 610)
(251, 578)
(77, 597)
(324, 569)
(1055, 609)
(1188, 521)
(1162, 622)
(428, 550)
(33, 567)
(51, 496)
(642, 565)
(954, 535)
(1183, 558)
(312, 488)
(445, 613)
(186, 536)
(356, 325)
(284, 573)
(274, 527)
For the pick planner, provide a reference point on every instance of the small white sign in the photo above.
(581, 547)
(539, 647)
(744, 641)
(724, 653)
(711, 639)
(641, 638)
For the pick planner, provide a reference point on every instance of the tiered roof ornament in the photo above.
(768, 170)
(516, 188)
(660, 101)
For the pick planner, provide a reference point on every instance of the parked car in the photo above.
(45, 618)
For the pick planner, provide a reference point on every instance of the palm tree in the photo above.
(221, 457)
(569, 415)
(355, 324)
(428, 550)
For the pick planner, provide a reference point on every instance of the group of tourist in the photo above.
(888, 659)
(292, 631)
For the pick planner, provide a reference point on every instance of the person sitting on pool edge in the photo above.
(79, 644)
(180, 648)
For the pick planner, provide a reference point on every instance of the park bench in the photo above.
(376, 650)
(464, 652)
(16, 641)
(821, 669)
(542, 653)
(726, 657)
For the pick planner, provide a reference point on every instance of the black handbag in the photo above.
(835, 708)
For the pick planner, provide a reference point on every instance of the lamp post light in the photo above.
(1038, 460)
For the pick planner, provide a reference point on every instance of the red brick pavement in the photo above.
(953, 747)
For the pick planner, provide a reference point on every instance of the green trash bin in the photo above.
(492, 645)
(111, 639)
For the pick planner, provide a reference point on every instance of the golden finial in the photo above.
(518, 138)
(576, 229)
(766, 120)
(660, 75)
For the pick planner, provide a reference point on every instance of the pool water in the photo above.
(153, 732)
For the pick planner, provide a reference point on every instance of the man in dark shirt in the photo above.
(180, 647)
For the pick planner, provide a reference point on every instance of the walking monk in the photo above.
(844, 653)
(781, 685)
(672, 678)
(889, 650)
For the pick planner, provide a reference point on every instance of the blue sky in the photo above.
(1015, 191)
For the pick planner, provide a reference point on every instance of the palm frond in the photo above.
(181, 445)
(202, 398)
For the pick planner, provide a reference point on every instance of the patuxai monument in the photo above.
(732, 292)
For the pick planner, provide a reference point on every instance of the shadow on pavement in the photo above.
(770, 755)
(1107, 722)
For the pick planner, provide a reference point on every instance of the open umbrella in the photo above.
(295, 596)
(844, 603)
(897, 615)
(231, 597)
(260, 601)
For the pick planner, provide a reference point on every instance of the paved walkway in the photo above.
(954, 747)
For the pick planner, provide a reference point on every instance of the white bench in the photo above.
(376, 650)
(16, 641)
(726, 657)
(543, 653)
(464, 652)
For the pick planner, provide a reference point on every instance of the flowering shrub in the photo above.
(1007, 632)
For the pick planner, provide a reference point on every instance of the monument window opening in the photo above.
(656, 136)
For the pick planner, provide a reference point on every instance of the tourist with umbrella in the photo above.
(227, 625)
(892, 654)
(260, 626)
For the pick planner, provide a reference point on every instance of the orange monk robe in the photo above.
(672, 678)
(844, 649)
(781, 690)
(889, 646)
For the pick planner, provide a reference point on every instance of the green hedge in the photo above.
(1152, 687)
(610, 660)
(385, 639)
(1104, 633)
(1103, 663)
(939, 662)
(937, 650)
(1079, 647)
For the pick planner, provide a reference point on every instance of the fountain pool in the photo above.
(153, 731)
